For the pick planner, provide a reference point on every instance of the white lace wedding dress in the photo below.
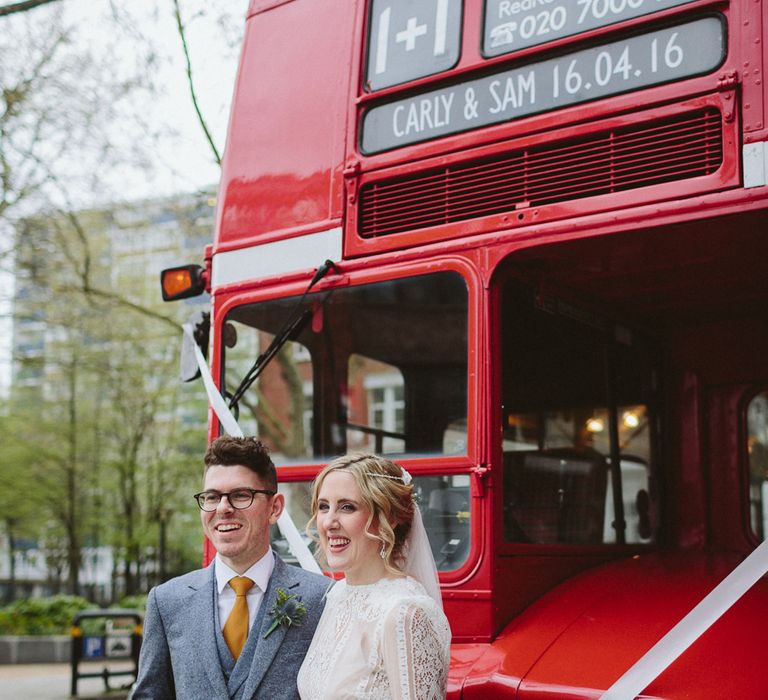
(385, 640)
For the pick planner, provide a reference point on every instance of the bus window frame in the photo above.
(226, 298)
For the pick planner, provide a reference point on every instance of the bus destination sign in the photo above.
(511, 25)
(640, 61)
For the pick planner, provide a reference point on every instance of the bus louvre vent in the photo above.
(685, 146)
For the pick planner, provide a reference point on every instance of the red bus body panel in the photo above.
(290, 108)
(576, 640)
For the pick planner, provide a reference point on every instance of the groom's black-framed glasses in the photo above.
(238, 498)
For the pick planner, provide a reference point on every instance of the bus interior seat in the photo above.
(555, 496)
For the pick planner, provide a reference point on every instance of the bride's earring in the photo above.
(383, 550)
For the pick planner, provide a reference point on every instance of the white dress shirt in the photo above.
(259, 573)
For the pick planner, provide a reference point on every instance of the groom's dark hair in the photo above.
(249, 452)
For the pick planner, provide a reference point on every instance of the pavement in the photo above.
(53, 682)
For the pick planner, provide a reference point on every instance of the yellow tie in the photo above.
(236, 628)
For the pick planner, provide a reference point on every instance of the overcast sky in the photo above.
(184, 161)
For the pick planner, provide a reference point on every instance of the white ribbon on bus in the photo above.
(287, 527)
(662, 654)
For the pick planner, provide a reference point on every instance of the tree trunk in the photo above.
(9, 523)
(162, 548)
(73, 538)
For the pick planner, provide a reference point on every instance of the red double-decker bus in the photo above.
(520, 247)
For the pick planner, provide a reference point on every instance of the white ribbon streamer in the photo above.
(285, 523)
(691, 627)
(218, 404)
(296, 543)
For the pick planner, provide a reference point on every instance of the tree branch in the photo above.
(22, 6)
(183, 36)
(82, 271)
(121, 301)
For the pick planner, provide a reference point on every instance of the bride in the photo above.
(383, 633)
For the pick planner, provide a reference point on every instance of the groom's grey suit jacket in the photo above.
(183, 654)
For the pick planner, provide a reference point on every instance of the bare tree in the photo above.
(191, 82)
(15, 7)
(109, 355)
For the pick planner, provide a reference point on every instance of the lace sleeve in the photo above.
(416, 648)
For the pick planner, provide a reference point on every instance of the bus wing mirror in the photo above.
(182, 282)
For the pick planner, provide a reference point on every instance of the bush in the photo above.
(133, 602)
(52, 615)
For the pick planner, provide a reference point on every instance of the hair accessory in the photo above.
(406, 478)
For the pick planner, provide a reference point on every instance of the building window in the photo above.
(376, 405)
(386, 406)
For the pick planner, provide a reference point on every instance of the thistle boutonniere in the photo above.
(288, 610)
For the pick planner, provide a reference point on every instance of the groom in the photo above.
(213, 633)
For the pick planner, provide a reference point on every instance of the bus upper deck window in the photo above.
(757, 451)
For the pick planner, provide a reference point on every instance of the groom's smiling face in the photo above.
(240, 536)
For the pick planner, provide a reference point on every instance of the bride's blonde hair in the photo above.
(388, 497)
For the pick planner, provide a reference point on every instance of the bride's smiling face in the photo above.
(341, 519)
